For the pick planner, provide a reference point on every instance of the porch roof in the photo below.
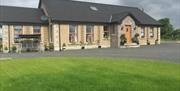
(30, 36)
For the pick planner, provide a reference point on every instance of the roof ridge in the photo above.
(94, 3)
(102, 4)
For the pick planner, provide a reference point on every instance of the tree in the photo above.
(166, 28)
(176, 34)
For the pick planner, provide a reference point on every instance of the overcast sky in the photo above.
(156, 8)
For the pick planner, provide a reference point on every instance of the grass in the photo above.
(88, 74)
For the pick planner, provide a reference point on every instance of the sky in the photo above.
(156, 8)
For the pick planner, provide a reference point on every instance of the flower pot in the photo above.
(6, 51)
(82, 47)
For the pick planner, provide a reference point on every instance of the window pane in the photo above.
(142, 32)
(106, 32)
(17, 31)
(72, 33)
(72, 28)
(89, 28)
(37, 29)
(151, 32)
(0, 31)
(89, 33)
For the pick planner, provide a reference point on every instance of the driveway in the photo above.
(164, 52)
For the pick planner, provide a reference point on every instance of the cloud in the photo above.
(20, 3)
(155, 8)
(159, 9)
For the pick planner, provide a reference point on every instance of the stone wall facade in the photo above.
(58, 34)
(61, 37)
(135, 29)
(8, 35)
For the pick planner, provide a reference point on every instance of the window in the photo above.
(113, 27)
(36, 29)
(1, 33)
(151, 32)
(106, 32)
(142, 32)
(93, 8)
(73, 33)
(89, 33)
(17, 31)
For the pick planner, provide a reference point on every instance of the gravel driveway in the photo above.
(165, 52)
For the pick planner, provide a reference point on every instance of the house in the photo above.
(75, 25)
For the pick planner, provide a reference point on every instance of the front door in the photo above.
(128, 33)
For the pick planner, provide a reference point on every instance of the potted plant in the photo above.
(46, 48)
(51, 47)
(135, 38)
(82, 45)
(63, 46)
(98, 41)
(156, 41)
(148, 42)
(1, 48)
(14, 49)
(123, 39)
(6, 49)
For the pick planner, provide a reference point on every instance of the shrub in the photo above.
(14, 48)
(46, 47)
(1, 47)
(6, 48)
(64, 45)
(148, 42)
(82, 43)
(51, 46)
(135, 38)
(156, 41)
(123, 39)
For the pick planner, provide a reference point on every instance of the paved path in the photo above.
(165, 52)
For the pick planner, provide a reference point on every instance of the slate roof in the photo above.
(74, 11)
(67, 10)
(9, 14)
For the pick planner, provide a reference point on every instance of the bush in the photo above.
(148, 42)
(51, 46)
(135, 39)
(123, 39)
(46, 47)
(1, 47)
(156, 41)
(6, 48)
(82, 43)
(64, 45)
(14, 48)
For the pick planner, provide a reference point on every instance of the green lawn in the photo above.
(88, 74)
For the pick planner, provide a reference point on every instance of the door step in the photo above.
(130, 45)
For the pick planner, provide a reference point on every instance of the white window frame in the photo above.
(91, 39)
(151, 32)
(143, 32)
(107, 31)
(16, 33)
(75, 33)
(1, 32)
(36, 28)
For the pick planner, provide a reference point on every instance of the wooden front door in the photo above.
(128, 33)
